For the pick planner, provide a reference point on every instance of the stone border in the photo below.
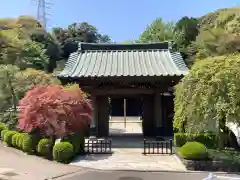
(209, 165)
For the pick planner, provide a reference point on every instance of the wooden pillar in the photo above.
(103, 116)
(168, 114)
(148, 116)
(158, 114)
(94, 113)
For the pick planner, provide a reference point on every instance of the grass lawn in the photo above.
(225, 155)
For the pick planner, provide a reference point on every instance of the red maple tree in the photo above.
(54, 110)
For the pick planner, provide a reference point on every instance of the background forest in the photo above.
(29, 55)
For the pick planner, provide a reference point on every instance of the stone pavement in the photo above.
(16, 165)
(133, 125)
(130, 159)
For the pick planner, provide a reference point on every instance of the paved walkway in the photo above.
(128, 156)
(117, 125)
(130, 159)
(16, 165)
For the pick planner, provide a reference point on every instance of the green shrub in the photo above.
(2, 127)
(8, 137)
(180, 139)
(77, 140)
(14, 139)
(63, 152)
(19, 140)
(206, 138)
(3, 132)
(29, 143)
(194, 151)
(44, 147)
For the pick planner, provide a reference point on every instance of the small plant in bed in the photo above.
(193, 151)
(226, 155)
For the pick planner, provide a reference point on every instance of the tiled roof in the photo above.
(114, 60)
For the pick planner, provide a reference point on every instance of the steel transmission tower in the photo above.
(42, 6)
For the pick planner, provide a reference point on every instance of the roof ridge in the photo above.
(135, 46)
(129, 50)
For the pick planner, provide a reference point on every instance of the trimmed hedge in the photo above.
(20, 140)
(194, 151)
(44, 147)
(180, 139)
(8, 137)
(2, 127)
(29, 143)
(63, 152)
(14, 139)
(207, 138)
(77, 140)
(3, 132)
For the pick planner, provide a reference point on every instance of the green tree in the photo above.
(52, 46)
(185, 31)
(209, 96)
(158, 31)
(11, 47)
(219, 33)
(27, 79)
(23, 53)
(75, 33)
(25, 33)
(129, 42)
(227, 18)
(13, 86)
(217, 41)
(34, 55)
(8, 95)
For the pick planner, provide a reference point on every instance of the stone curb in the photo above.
(136, 170)
(66, 174)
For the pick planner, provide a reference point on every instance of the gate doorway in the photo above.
(125, 116)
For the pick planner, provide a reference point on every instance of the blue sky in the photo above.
(120, 19)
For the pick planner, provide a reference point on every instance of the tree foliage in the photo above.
(217, 41)
(219, 33)
(51, 46)
(13, 86)
(214, 34)
(75, 33)
(158, 31)
(21, 52)
(54, 111)
(8, 95)
(210, 93)
(185, 31)
(23, 42)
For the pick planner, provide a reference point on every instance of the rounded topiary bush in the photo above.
(8, 137)
(2, 127)
(63, 152)
(3, 132)
(29, 143)
(194, 151)
(14, 139)
(77, 140)
(44, 147)
(19, 140)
